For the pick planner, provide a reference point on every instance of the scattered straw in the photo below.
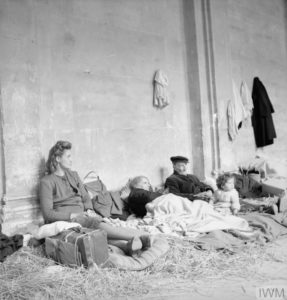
(27, 273)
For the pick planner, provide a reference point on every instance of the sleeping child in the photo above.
(226, 198)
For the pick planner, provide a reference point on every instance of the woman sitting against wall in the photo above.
(63, 197)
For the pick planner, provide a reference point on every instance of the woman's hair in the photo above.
(57, 150)
(222, 179)
(135, 181)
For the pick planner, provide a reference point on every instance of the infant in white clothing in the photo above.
(226, 198)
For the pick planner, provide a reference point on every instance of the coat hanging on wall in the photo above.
(262, 121)
(160, 94)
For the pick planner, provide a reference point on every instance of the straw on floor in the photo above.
(27, 274)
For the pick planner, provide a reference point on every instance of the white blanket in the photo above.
(174, 215)
(180, 214)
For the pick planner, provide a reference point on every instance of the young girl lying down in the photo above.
(142, 193)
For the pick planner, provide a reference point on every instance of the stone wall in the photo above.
(82, 71)
(257, 45)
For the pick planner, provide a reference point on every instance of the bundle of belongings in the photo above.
(8, 245)
(258, 191)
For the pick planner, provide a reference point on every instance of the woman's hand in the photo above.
(235, 212)
(204, 195)
(73, 216)
(90, 213)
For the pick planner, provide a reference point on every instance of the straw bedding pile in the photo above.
(27, 274)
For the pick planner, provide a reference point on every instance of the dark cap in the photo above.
(176, 159)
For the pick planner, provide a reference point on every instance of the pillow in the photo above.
(118, 259)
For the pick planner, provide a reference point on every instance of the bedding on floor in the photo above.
(172, 214)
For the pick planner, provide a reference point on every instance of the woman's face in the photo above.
(144, 184)
(65, 161)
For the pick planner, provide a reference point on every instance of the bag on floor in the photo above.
(78, 246)
(105, 203)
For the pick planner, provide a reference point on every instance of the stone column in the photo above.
(208, 59)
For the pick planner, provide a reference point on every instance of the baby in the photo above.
(226, 198)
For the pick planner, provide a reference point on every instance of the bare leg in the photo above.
(119, 243)
(120, 233)
(127, 247)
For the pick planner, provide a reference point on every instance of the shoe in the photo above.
(146, 241)
(134, 245)
(274, 209)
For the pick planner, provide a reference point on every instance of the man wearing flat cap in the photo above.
(186, 185)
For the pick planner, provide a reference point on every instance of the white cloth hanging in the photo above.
(240, 112)
(236, 112)
(246, 99)
(232, 128)
(160, 96)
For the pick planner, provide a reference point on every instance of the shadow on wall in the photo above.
(41, 170)
(164, 173)
(193, 88)
(285, 18)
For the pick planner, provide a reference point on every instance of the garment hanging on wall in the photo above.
(246, 99)
(160, 96)
(240, 112)
(235, 113)
(232, 128)
(262, 121)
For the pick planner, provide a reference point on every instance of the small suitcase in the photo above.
(79, 246)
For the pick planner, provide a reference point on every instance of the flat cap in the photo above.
(176, 159)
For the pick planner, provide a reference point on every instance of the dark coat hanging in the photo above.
(262, 120)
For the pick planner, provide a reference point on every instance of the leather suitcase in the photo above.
(79, 246)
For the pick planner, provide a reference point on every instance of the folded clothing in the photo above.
(51, 229)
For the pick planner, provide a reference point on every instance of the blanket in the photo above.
(270, 226)
(180, 214)
(175, 215)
